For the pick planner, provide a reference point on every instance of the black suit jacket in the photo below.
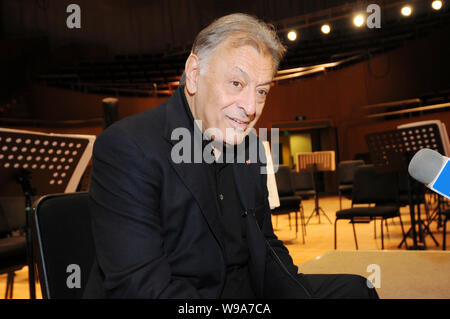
(155, 223)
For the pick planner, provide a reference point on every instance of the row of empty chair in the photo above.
(375, 195)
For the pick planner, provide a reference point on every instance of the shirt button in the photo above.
(221, 197)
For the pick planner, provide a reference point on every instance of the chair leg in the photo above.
(9, 285)
(444, 234)
(382, 235)
(387, 228)
(403, 230)
(296, 224)
(11, 288)
(354, 234)
(302, 218)
(335, 233)
(302, 224)
(375, 229)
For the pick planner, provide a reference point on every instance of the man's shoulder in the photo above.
(150, 120)
(144, 129)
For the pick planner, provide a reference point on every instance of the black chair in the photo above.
(13, 250)
(370, 187)
(346, 173)
(303, 183)
(289, 202)
(65, 244)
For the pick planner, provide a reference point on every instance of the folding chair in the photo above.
(371, 187)
(65, 244)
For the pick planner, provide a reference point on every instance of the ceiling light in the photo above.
(436, 5)
(406, 11)
(358, 20)
(292, 35)
(325, 28)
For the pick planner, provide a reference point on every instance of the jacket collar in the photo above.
(178, 114)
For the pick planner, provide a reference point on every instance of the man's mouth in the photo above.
(237, 123)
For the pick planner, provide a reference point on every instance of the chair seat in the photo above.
(13, 252)
(12, 246)
(291, 201)
(305, 193)
(288, 203)
(345, 187)
(378, 211)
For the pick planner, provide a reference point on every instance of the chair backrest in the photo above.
(303, 180)
(284, 181)
(4, 226)
(66, 247)
(346, 171)
(369, 186)
(14, 211)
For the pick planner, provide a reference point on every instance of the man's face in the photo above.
(230, 91)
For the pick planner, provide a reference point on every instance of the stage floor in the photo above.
(395, 274)
(319, 241)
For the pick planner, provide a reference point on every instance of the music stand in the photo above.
(437, 212)
(323, 161)
(35, 164)
(393, 150)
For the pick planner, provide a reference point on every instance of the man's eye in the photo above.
(262, 92)
(236, 83)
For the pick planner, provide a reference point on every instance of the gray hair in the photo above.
(246, 30)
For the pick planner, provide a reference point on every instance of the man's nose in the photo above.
(248, 103)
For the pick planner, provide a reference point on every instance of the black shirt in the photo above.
(237, 283)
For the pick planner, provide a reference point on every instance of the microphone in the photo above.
(431, 168)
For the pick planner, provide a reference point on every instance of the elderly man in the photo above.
(171, 228)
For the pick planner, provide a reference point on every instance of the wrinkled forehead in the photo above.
(239, 40)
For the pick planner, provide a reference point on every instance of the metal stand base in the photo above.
(317, 210)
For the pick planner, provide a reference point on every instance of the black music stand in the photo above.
(437, 212)
(393, 150)
(35, 164)
(314, 162)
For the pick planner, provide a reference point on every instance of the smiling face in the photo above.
(228, 92)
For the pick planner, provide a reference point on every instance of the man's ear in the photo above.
(192, 71)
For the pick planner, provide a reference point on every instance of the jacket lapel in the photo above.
(193, 174)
